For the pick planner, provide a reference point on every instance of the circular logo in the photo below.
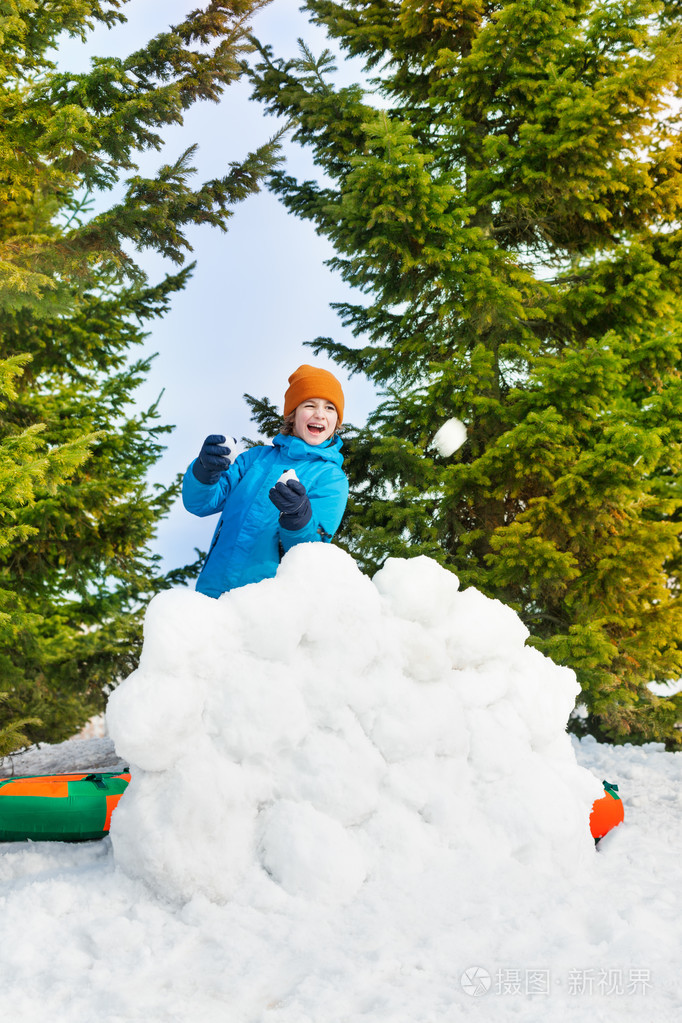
(476, 981)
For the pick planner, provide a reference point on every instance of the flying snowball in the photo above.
(450, 437)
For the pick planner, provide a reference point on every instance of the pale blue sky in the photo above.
(258, 292)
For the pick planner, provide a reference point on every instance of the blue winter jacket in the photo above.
(248, 541)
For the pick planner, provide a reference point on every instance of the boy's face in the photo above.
(315, 420)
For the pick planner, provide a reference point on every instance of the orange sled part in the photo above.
(607, 812)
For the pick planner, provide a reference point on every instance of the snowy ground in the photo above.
(485, 929)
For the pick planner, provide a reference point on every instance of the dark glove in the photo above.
(293, 503)
(213, 459)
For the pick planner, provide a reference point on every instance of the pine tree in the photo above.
(24, 472)
(506, 190)
(77, 515)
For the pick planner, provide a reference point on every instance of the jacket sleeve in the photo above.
(208, 498)
(328, 497)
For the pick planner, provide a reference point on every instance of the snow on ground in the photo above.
(63, 758)
(351, 801)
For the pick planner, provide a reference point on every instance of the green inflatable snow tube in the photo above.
(59, 807)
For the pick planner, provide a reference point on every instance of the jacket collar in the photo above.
(296, 448)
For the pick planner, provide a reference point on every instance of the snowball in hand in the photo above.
(450, 437)
(396, 735)
(234, 446)
(288, 474)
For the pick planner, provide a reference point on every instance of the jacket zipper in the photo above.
(213, 542)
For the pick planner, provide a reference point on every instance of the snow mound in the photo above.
(312, 734)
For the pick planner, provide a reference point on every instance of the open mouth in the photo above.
(315, 428)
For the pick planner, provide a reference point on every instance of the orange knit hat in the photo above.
(312, 382)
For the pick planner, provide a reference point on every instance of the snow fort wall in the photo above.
(311, 734)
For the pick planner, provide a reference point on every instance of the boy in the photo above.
(262, 516)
